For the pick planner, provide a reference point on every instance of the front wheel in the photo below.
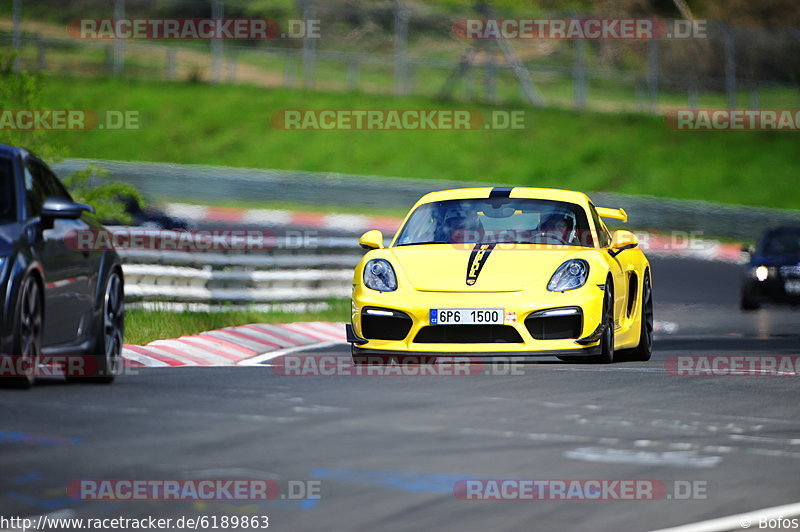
(606, 355)
(108, 346)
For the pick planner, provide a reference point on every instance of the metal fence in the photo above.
(410, 48)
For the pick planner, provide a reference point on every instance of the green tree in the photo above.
(92, 185)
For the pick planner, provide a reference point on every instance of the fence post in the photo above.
(217, 12)
(755, 100)
(652, 74)
(289, 69)
(16, 39)
(579, 74)
(693, 97)
(119, 44)
(170, 70)
(469, 84)
(490, 77)
(41, 51)
(108, 58)
(730, 65)
(232, 66)
(309, 46)
(352, 73)
(638, 95)
(400, 48)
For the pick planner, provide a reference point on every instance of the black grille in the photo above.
(554, 327)
(468, 334)
(394, 327)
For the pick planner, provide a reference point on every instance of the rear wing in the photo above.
(617, 214)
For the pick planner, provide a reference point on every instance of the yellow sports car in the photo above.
(503, 271)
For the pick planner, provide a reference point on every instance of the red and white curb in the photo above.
(251, 345)
(355, 223)
(233, 345)
(655, 243)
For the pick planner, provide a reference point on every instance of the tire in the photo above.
(748, 304)
(108, 345)
(27, 340)
(606, 355)
(643, 351)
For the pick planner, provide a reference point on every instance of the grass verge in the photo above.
(230, 125)
(144, 326)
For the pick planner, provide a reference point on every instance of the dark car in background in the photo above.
(57, 301)
(773, 273)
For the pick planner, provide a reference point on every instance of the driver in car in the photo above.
(460, 226)
(558, 226)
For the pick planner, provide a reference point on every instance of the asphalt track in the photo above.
(388, 451)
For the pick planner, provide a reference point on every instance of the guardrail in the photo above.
(212, 184)
(284, 275)
(278, 273)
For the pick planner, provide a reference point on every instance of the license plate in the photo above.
(467, 316)
(792, 287)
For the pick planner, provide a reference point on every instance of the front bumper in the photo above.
(772, 290)
(417, 304)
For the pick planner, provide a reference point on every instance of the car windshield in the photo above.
(8, 210)
(783, 242)
(497, 220)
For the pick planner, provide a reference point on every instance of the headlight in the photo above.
(569, 276)
(379, 275)
(762, 273)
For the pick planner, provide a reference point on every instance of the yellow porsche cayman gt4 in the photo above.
(503, 271)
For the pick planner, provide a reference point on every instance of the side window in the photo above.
(53, 185)
(41, 183)
(35, 188)
(602, 233)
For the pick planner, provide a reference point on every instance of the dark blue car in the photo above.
(773, 273)
(60, 304)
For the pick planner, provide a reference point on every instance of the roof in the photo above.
(512, 192)
(10, 151)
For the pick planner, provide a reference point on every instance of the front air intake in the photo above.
(468, 334)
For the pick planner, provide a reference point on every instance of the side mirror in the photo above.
(622, 240)
(63, 208)
(371, 240)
